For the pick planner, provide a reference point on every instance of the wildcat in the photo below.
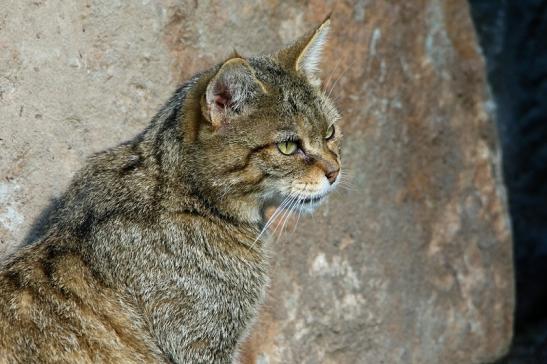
(155, 252)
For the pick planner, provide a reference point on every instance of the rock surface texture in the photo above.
(411, 264)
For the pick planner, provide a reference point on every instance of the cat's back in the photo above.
(53, 308)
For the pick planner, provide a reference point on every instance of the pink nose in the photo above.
(332, 175)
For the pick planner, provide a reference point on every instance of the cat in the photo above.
(157, 252)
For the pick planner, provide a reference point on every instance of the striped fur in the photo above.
(152, 253)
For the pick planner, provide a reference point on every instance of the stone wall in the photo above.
(410, 264)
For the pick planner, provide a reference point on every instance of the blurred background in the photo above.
(513, 39)
(413, 261)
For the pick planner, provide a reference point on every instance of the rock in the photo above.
(511, 34)
(411, 263)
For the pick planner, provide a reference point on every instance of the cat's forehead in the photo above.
(293, 94)
(280, 80)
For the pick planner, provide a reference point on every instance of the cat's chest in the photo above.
(206, 286)
(215, 264)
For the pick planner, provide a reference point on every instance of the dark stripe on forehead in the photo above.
(292, 104)
(266, 69)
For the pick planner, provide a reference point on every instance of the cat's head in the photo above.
(268, 131)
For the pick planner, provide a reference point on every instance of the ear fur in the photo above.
(229, 91)
(305, 54)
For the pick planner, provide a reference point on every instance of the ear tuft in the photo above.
(235, 54)
(310, 57)
(304, 55)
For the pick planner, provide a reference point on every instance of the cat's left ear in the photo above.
(305, 54)
(230, 92)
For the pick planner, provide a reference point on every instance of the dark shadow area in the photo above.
(513, 35)
(41, 224)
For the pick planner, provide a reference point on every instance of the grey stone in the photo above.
(410, 264)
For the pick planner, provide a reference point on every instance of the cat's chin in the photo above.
(309, 204)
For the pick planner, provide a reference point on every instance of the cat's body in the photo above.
(152, 254)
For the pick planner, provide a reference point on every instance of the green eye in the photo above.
(287, 148)
(330, 132)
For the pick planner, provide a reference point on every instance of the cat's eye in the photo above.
(330, 132)
(287, 147)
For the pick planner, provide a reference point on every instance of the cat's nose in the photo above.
(330, 167)
(332, 175)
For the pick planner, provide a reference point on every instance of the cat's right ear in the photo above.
(230, 92)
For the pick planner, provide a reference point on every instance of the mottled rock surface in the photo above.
(411, 264)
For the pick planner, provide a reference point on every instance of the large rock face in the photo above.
(410, 264)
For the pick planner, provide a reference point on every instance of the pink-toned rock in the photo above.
(410, 264)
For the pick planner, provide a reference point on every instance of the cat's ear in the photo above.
(304, 55)
(230, 91)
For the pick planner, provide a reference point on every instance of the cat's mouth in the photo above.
(308, 204)
(312, 200)
(299, 203)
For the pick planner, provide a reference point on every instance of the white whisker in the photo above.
(341, 75)
(271, 219)
(301, 202)
(287, 216)
(286, 213)
(327, 82)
